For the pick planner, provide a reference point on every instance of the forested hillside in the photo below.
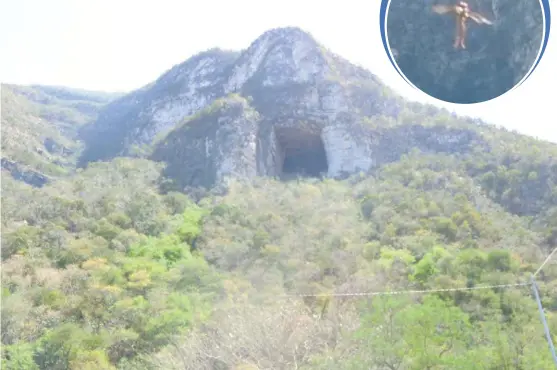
(104, 271)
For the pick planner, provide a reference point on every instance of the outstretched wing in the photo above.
(443, 9)
(478, 18)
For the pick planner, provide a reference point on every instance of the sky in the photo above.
(121, 45)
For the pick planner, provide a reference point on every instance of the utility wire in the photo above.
(425, 291)
(544, 262)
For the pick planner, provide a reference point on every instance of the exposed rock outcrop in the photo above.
(22, 173)
(284, 106)
(285, 71)
(137, 118)
(231, 139)
(218, 144)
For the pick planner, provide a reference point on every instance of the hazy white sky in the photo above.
(120, 45)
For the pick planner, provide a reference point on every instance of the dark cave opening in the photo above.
(303, 152)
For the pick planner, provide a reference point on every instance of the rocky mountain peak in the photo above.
(285, 71)
(280, 56)
(197, 71)
(289, 108)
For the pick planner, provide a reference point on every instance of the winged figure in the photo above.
(463, 13)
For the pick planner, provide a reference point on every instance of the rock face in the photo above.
(221, 143)
(285, 106)
(496, 59)
(22, 173)
(137, 118)
(231, 139)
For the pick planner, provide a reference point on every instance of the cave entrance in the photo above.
(303, 152)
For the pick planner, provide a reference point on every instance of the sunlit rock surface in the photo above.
(284, 107)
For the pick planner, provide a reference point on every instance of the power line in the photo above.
(544, 262)
(544, 321)
(425, 291)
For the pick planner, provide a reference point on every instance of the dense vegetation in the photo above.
(103, 270)
(99, 269)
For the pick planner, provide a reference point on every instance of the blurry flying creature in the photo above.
(463, 14)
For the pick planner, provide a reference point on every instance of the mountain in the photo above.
(287, 74)
(337, 194)
(286, 106)
(39, 128)
(497, 57)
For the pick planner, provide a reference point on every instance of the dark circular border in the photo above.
(383, 26)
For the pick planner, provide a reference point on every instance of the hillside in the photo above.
(150, 263)
(101, 268)
(39, 129)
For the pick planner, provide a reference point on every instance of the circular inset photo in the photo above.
(465, 52)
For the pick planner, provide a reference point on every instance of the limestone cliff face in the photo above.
(497, 57)
(231, 139)
(220, 142)
(284, 106)
(136, 118)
